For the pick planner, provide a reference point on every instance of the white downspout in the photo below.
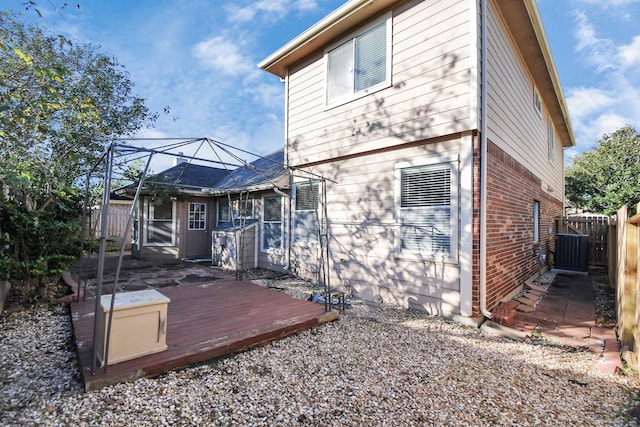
(289, 217)
(483, 164)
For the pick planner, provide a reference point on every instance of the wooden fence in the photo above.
(596, 227)
(118, 215)
(627, 280)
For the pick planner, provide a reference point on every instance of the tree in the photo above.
(608, 177)
(59, 104)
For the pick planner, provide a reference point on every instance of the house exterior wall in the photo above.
(431, 109)
(179, 249)
(512, 254)
(142, 250)
(428, 96)
(362, 229)
(514, 124)
(520, 168)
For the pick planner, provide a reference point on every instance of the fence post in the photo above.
(625, 292)
(612, 254)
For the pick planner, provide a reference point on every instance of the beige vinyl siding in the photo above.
(429, 95)
(514, 124)
(362, 234)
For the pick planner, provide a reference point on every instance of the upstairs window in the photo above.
(552, 142)
(537, 102)
(360, 64)
(306, 214)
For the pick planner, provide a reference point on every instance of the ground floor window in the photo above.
(224, 214)
(536, 221)
(427, 210)
(272, 223)
(159, 224)
(305, 229)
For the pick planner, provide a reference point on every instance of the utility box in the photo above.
(572, 252)
(138, 325)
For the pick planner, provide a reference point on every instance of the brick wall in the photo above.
(512, 254)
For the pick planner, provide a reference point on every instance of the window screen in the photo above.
(425, 209)
(306, 215)
(358, 64)
(272, 223)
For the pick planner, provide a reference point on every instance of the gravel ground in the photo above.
(384, 368)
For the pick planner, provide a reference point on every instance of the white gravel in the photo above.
(386, 368)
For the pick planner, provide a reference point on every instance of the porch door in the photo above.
(198, 241)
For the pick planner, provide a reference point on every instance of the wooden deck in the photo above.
(203, 322)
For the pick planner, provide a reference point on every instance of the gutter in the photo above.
(483, 165)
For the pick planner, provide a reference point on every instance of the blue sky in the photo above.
(199, 58)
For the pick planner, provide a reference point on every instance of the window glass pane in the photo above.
(160, 222)
(245, 208)
(536, 221)
(426, 230)
(339, 72)
(370, 57)
(272, 236)
(223, 210)
(425, 209)
(426, 186)
(272, 209)
(160, 210)
(306, 196)
(159, 232)
(306, 227)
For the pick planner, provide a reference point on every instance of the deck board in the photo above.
(204, 322)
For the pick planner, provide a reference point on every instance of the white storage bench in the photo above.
(138, 325)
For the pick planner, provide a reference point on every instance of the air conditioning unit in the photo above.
(572, 252)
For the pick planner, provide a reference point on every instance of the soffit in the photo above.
(525, 25)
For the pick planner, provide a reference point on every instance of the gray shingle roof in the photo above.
(266, 171)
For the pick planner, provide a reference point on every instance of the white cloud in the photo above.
(272, 10)
(598, 50)
(241, 14)
(223, 55)
(609, 3)
(584, 101)
(612, 99)
(629, 54)
(271, 95)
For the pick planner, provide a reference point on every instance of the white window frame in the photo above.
(536, 221)
(303, 212)
(551, 142)
(537, 101)
(350, 96)
(197, 217)
(264, 223)
(221, 204)
(454, 213)
(147, 221)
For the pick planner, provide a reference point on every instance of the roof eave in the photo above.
(323, 32)
(525, 23)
